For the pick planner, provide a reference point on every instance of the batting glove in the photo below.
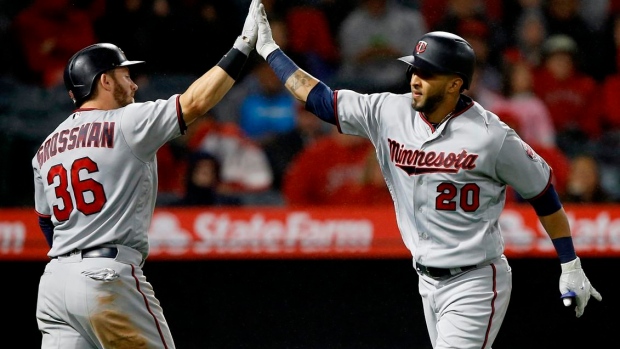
(249, 34)
(265, 43)
(574, 284)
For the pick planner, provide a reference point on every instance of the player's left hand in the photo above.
(574, 284)
(249, 34)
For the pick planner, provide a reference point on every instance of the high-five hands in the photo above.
(249, 34)
(265, 43)
(575, 286)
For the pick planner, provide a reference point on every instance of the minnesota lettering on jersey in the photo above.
(95, 134)
(416, 162)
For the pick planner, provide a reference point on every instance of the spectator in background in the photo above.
(245, 170)
(569, 95)
(607, 145)
(611, 86)
(562, 17)
(529, 34)
(213, 21)
(334, 10)
(171, 169)
(595, 13)
(283, 147)
(163, 27)
(311, 44)
(456, 12)
(132, 36)
(488, 79)
(370, 189)
(203, 183)
(327, 172)
(584, 182)
(436, 11)
(50, 32)
(535, 125)
(371, 38)
(557, 160)
(515, 11)
(269, 109)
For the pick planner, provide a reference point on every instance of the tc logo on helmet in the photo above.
(420, 47)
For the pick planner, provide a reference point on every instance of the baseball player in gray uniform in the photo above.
(95, 179)
(446, 161)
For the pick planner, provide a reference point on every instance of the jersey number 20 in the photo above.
(80, 187)
(469, 198)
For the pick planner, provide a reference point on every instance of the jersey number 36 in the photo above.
(80, 188)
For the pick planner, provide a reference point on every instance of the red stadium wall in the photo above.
(323, 233)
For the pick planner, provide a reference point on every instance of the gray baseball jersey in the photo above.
(96, 174)
(96, 177)
(448, 184)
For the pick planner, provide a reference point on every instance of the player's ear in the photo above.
(455, 84)
(105, 81)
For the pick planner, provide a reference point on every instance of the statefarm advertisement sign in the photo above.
(317, 232)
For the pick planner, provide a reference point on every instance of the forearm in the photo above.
(557, 227)
(205, 93)
(556, 224)
(300, 84)
(317, 96)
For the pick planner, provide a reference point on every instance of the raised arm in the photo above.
(297, 81)
(210, 88)
(318, 97)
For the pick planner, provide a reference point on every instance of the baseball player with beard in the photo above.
(447, 162)
(95, 180)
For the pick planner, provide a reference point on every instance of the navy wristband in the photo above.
(233, 62)
(282, 65)
(565, 249)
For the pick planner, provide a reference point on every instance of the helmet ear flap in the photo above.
(409, 73)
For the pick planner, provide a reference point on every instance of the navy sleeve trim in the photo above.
(546, 203)
(320, 102)
(180, 118)
(47, 227)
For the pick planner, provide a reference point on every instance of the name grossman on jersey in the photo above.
(95, 134)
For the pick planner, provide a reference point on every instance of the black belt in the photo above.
(439, 273)
(95, 252)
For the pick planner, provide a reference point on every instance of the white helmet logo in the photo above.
(420, 47)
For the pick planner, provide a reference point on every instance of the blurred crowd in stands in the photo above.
(548, 68)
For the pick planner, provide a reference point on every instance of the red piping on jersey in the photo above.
(486, 335)
(180, 118)
(335, 104)
(83, 109)
(546, 187)
(451, 117)
(148, 307)
(42, 215)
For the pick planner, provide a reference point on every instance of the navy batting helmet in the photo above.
(87, 64)
(441, 52)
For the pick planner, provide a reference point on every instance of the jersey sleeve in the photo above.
(40, 202)
(147, 126)
(519, 166)
(357, 114)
